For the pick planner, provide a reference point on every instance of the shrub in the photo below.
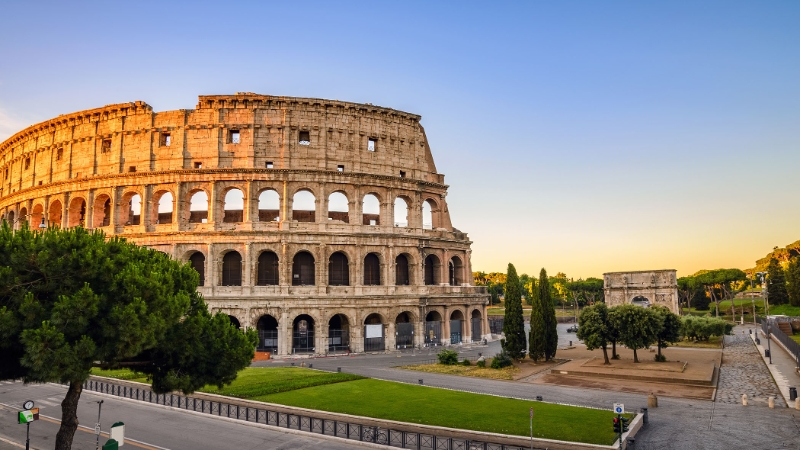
(660, 358)
(465, 362)
(448, 357)
(702, 328)
(501, 360)
(481, 364)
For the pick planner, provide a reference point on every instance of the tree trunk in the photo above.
(659, 350)
(605, 355)
(635, 357)
(69, 416)
(614, 354)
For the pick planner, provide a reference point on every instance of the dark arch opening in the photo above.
(303, 334)
(234, 321)
(303, 269)
(339, 334)
(198, 261)
(338, 270)
(401, 271)
(267, 334)
(433, 329)
(404, 329)
(267, 269)
(431, 270)
(476, 326)
(372, 270)
(374, 339)
(232, 269)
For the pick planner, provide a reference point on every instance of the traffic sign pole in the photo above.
(619, 418)
(531, 428)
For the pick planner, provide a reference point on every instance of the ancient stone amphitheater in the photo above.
(321, 223)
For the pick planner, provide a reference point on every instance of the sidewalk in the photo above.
(782, 367)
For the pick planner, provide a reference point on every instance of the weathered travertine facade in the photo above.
(322, 223)
(659, 287)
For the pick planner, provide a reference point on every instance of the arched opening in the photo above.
(401, 271)
(269, 205)
(267, 269)
(303, 334)
(10, 218)
(303, 269)
(432, 269)
(371, 210)
(77, 213)
(198, 261)
(267, 327)
(339, 334)
(37, 217)
(456, 326)
(404, 331)
(198, 207)
(338, 270)
(338, 207)
(23, 216)
(55, 213)
(455, 271)
(641, 301)
(232, 269)
(233, 208)
(400, 212)
(132, 210)
(165, 208)
(373, 333)
(101, 214)
(372, 270)
(433, 329)
(427, 215)
(476, 326)
(235, 321)
(304, 206)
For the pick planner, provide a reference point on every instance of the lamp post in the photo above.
(769, 339)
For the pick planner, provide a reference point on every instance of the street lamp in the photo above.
(769, 339)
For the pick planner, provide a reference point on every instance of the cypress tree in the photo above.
(793, 281)
(513, 323)
(536, 338)
(776, 282)
(549, 316)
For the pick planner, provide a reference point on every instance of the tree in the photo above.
(793, 281)
(637, 326)
(71, 300)
(536, 340)
(613, 331)
(593, 328)
(776, 281)
(719, 283)
(549, 314)
(513, 323)
(669, 328)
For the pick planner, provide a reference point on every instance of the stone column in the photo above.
(284, 334)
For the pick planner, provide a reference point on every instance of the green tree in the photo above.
(593, 328)
(71, 300)
(637, 327)
(613, 331)
(669, 328)
(513, 323)
(536, 339)
(793, 281)
(776, 282)
(549, 314)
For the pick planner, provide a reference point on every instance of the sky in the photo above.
(582, 137)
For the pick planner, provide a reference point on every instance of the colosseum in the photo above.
(321, 223)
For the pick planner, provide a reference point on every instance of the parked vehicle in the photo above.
(572, 329)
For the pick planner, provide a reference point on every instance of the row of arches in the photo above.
(338, 334)
(303, 269)
(268, 204)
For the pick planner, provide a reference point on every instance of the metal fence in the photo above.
(776, 333)
(496, 325)
(329, 427)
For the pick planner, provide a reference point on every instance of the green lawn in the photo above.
(786, 310)
(352, 394)
(795, 337)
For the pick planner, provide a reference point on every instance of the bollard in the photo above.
(570, 343)
(797, 403)
(766, 353)
(310, 366)
(758, 341)
(645, 419)
(338, 369)
(744, 399)
(771, 402)
(538, 398)
(751, 331)
(631, 443)
(292, 364)
(792, 393)
(420, 381)
(652, 401)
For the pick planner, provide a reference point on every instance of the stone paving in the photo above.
(743, 372)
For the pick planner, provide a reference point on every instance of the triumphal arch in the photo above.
(321, 223)
(657, 287)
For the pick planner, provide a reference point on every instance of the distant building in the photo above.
(658, 287)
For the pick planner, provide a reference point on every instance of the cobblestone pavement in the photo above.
(743, 372)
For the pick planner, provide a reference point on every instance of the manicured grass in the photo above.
(786, 310)
(431, 406)
(506, 373)
(352, 394)
(120, 374)
(795, 337)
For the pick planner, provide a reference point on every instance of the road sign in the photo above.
(97, 429)
(619, 408)
(25, 416)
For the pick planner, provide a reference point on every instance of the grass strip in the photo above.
(506, 373)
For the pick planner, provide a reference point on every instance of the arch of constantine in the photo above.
(323, 224)
(659, 287)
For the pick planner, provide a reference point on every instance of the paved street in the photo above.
(153, 426)
(744, 372)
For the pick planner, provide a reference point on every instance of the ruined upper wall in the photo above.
(225, 131)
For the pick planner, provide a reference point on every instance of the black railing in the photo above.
(329, 427)
(776, 333)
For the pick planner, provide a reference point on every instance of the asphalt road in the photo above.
(151, 426)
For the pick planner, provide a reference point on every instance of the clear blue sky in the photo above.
(582, 137)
